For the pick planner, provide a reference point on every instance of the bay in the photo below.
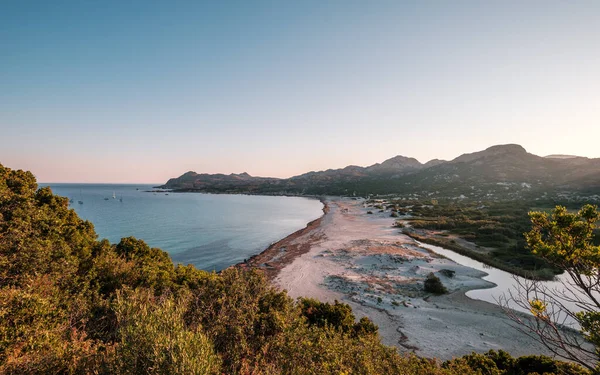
(210, 231)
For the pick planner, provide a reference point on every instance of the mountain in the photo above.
(192, 181)
(433, 163)
(395, 165)
(498, 171)
(510, 150)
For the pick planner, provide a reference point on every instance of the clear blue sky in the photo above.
(140, 91)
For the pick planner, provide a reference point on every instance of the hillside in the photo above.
(498, 172)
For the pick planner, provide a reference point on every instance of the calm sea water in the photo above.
(207, 230)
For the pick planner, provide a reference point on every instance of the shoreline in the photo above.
(216, 192)
(273, 258)
(364, 261)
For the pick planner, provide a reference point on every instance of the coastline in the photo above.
(364, 261)
(283, 252)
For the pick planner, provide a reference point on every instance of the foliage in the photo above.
(500, 362)
(495, 227)
(338, 316)
(154, 339)
(566, 240)
(434, 285)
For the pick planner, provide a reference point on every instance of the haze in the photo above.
(142, 91)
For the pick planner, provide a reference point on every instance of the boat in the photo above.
(114, 195)
(105, 199)
(80, 202)
(121, 199)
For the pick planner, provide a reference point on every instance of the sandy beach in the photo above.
(361, 259)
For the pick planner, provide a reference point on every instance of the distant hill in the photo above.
(498, 171)
(192, 181)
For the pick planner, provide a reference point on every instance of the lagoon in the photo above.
(506, 282)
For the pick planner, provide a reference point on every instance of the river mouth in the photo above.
(507, 283)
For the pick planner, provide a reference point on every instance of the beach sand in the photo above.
(361, 259)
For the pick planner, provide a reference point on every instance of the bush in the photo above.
(446, 272)
(501, 363)
(337, 315)
(434, 285)
(155, 340)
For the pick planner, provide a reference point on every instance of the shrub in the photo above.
(446, 272)
(155, 340)
(434, 285)
(337, 315)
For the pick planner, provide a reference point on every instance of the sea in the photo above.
(210, 231)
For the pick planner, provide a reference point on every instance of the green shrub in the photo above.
(500, 362)
(155, 340)
(434, 285)
(337, 315)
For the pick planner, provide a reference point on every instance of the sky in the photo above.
(141, 91)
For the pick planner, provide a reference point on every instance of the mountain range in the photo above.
(502, 170)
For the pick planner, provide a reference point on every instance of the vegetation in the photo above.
(434, 285)
(73, 304)
(500, 362)
(496, 228)
(566, 240)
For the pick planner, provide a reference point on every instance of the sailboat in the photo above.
(121, 199)
(114, 195)
(80, 197)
